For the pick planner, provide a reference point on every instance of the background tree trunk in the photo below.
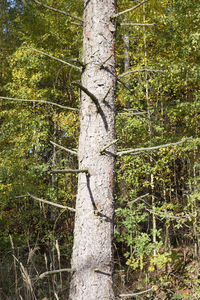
(93, 233)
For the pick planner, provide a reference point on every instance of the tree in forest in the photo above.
(92, 259)
(36, 135)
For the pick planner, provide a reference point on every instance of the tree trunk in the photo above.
(93, 233)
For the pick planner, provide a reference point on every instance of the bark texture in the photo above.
(93, 233)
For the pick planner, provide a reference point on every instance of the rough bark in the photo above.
(93, 233)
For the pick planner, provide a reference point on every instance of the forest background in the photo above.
(157, 222)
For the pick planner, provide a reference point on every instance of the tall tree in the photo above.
(93, 233)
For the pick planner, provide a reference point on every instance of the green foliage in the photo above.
(169, 104)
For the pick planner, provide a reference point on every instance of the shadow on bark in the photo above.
(96, 211)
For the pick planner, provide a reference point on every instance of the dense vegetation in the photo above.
(157, 222)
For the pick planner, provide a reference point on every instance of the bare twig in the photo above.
(106, 94)
(48, 202)
(58, 11)
(131, 202)
(130, 151)
(102, 64)
(166, 215)
(79, 62)
(129, 9)
(135, 294)
(63, 148)
(40, 102)
(137, 24)
(64, 171)
(77, 24)
(131, 112)
(124, 84)
(58, 59)
(108, 145)
(55, 272)
(140, 70)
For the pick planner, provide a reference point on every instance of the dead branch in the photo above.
(168, 216)
(131, 202)
(55, 272)
(64, 171)
(128, 10)
(107, 146)
(63, 148)
(134, 294)
(102, 64)
(40, 102)
(137, 24)
(134, 113)
(58, 11)
(58, 59)
(106, 94)
(79, 62)
(49, 202)
(130, 151)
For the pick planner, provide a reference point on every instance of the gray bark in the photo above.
(93, 233)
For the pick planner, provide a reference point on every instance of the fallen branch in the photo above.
(64, 171)
(58, 11)
(140, 70)
(130, 151)
(63, 148)
(49, 202)
(55, 272)
(128, 10)
(40, 102)
(58, 59)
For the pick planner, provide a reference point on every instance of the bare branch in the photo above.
(134, 113)
(130, 151)
(106, 94)
(70, 171)
(55, 272)
(122, 83)
(58, 11)
(79, 62)
(135, 110)
(140, 70)
(40, 102)
(58, 59)
(137, 24)
(107, 146)
(128, 10)
(134, 294)
(131, 202)
(49, 202)
(77, 24)
(101, 65)
(63, 148)
(167, 215)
